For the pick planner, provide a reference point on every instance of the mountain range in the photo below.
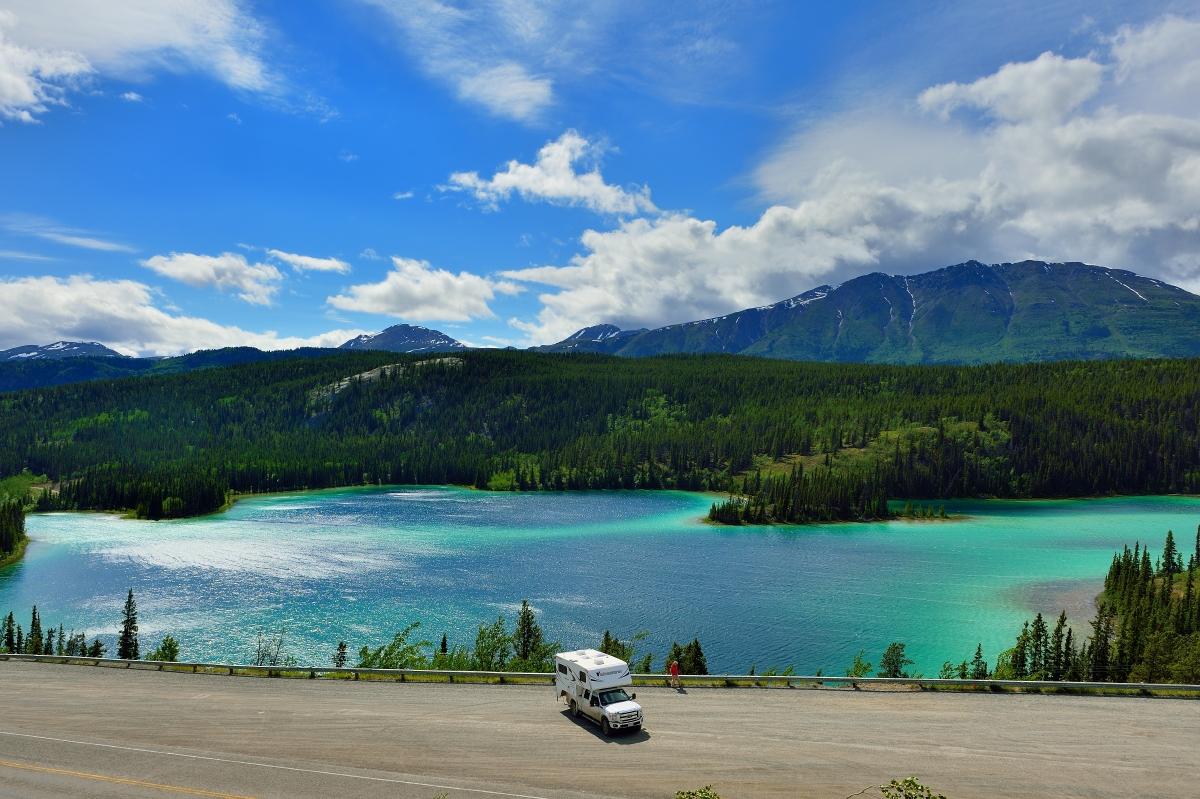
(405, 338)
(966, 313)
(58, 350)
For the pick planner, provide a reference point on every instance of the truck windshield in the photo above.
(613, 695)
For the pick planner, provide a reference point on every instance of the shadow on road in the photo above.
(618, 737)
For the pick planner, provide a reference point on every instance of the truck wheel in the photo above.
(574, 709)
(605, 728)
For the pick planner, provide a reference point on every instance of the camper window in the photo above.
(562, 669)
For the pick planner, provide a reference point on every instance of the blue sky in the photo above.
(179, 174)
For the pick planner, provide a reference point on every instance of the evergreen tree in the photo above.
(893, 661)
(127, 644)
(20, 645)
(445, 647)
(10, 633)
(694, 661)
(33, 639)
(339, 657)
(979, 668)
(97, 649)
(1056, 647)
(1038, 649)
(1171, 562)
(527, 637)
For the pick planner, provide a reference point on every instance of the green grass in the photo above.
(22, 485)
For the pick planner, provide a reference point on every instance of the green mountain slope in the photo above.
(967, 313)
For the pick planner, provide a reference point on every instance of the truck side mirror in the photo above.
(633, 696)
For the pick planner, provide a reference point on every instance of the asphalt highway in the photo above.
(98, 732)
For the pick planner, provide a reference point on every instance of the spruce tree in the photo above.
(33, 640)
(1056, 647)
(694, 661)
(127, 644)
(527, 638)
(445, 647)
(1039, 643)
(10, 633)
(1170, 558)
(979, 668)
(339, 657)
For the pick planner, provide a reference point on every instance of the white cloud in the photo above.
(370, 254)
(254, 283)
(507, 90)
(403, 195)
(18, 255)
(347, 156)
(1047, 88)
(234, 118)
(123, 315)
(132, 97)
(474, 51)
(1057, 167)
(416, 291)
(308, 263)
(31, 79)
(49, 230)
(510, 57)
(132, 39)
(554, 179)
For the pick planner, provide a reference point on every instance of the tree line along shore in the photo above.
(786, 442)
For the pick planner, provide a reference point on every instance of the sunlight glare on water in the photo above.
(358, 564)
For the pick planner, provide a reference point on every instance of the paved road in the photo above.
(98, 732)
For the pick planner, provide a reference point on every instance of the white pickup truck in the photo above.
(593, 685)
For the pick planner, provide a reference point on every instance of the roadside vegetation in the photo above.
(785, 441)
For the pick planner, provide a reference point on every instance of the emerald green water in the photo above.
(358, 564)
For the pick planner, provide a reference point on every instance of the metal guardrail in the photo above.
(649, 680)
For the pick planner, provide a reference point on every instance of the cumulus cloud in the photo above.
(1064, 160)
(1048, 88)
(32, 80)
(255, 283)
(308, 263)
(123, 315)
(553, 178)
(417, 291)
(50, 230)
(132, 97)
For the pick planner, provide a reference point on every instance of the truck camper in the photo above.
(593, 685)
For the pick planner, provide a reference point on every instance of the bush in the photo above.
(908, 788)
(706, 792)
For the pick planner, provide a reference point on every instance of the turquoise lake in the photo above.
(358, 564)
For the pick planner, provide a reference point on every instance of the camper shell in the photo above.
(593, 685)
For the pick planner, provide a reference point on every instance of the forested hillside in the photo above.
(806, 441)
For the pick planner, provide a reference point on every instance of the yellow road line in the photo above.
(84, 775)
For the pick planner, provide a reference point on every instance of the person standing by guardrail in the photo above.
(674, 669)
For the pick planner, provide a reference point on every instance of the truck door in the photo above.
(591, 704)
